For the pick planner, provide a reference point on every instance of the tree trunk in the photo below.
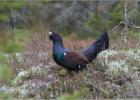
(126, 21)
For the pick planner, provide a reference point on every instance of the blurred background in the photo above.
(20, 18)
(27, 69)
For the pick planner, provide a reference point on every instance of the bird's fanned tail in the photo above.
(102, 43)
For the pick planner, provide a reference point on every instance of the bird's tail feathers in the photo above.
(102, 43)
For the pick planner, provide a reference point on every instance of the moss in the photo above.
(6, 73)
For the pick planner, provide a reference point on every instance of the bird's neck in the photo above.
(58, 47)
(58, 51)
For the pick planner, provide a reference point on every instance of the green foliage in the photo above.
(116, 15)
(21, 34)
(95, 23)
(98, 23)
(16, 41)
(12, 46)
(17, 4)
(135, 35)
(5, 96)
(4, 18)
(2, 58)
(77, 95)
(6, 6)
(6, 73)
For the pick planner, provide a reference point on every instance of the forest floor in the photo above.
(32, 73)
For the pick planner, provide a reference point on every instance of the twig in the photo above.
(134, 26)
(117, 26)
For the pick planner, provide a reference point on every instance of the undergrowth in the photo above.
(37, 76)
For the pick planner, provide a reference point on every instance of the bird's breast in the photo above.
(58, 58)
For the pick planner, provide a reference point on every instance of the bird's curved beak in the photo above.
(50, 33)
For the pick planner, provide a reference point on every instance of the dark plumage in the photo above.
(76, 60)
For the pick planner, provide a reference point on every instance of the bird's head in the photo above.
(55, 37)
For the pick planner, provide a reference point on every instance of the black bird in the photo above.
(77, 60)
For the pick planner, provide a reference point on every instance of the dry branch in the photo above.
(126, 23)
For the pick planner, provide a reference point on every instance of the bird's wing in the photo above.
(75, 57)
